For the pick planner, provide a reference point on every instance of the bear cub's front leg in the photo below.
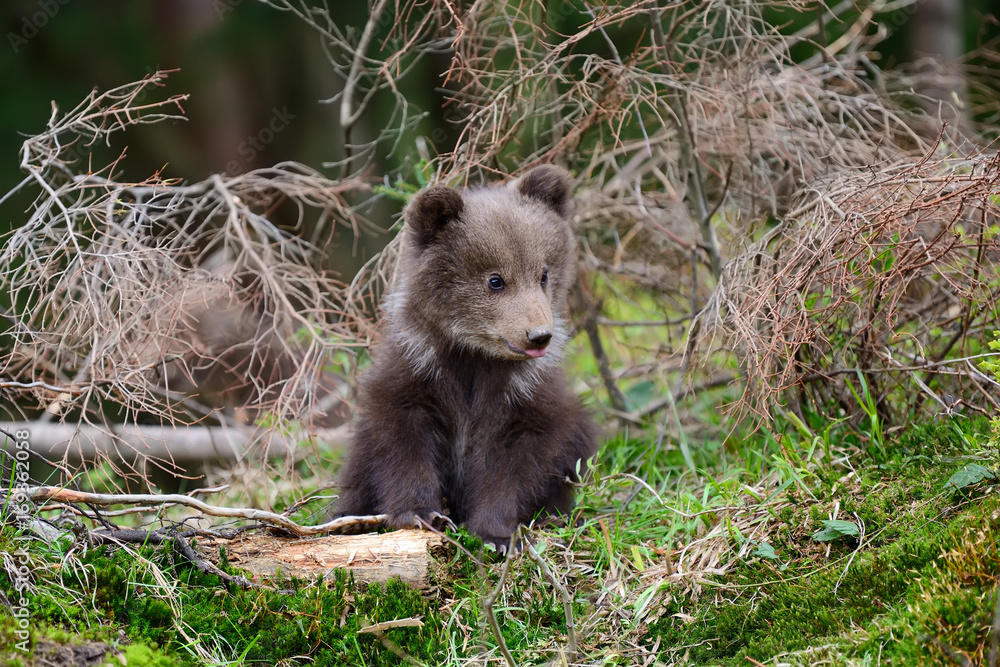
(395, 465)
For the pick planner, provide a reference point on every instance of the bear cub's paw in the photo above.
(502, 544)
(420, 518)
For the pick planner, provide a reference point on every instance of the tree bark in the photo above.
(936, 46)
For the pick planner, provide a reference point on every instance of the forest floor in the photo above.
(806, 547)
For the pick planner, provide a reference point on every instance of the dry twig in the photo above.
(45, 493)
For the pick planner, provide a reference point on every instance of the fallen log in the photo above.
(180, 444)
(311, 553)
(371, 557)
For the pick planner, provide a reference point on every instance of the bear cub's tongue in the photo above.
(536, 353)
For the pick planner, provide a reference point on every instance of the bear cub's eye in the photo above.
(545, 277)
(495, 282)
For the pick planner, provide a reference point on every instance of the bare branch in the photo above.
(560, 588)
(45, 493)
(178, 445)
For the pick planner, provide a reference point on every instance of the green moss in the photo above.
(942, 437)
(262, 626)
(319, 621)
(138, 655)
(951, 607)
(54, 645)
(892, 594)
(894, 581)
(762, 615)
(9, 640)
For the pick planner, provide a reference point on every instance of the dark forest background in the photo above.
(250, 68)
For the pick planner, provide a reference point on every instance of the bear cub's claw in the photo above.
(421, 518)
(442, 522)
(502, 545)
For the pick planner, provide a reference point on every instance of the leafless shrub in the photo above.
(131, 297)
(889, 273)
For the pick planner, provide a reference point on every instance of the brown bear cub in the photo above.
(465, 406)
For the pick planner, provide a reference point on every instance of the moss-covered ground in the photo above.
(711, 555)
(916, 586)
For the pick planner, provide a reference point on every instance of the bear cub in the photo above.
(465, 407)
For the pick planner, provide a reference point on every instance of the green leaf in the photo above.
(969, 475)
(765, 550)
(834, 529)
(642, 602)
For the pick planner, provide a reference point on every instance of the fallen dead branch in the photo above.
(371, 557)
(56, 494)
(174, 445)
(409, 555)
(180, 544)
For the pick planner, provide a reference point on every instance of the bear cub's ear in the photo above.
(548, 184)
(431, 210)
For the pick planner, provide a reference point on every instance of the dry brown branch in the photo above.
(371, 557)
(398, 623)
(564, 596)
(46, 493)
(880, 267)
(349, 115)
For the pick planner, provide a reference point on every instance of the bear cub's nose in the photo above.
(540, 336)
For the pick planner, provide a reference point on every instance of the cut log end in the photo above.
(372, 557)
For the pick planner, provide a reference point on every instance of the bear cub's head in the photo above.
(487, 270)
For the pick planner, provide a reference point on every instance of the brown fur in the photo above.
(458, 410)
